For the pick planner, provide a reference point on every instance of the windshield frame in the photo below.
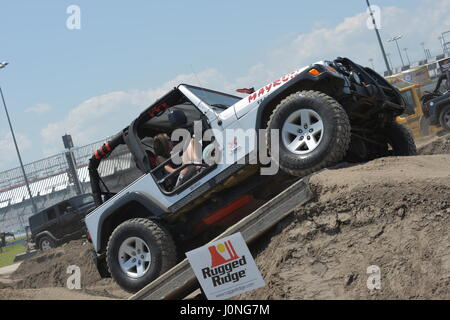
(190, 87)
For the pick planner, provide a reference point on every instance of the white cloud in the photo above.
(105, 114)
(8, 154)
(39, 108)
(352, 38)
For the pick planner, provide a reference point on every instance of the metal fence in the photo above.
(50, 182)
(46, 167)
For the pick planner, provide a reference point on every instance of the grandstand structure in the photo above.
(51, 182)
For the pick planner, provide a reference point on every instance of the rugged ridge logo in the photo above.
(224, 260)
(225, 268)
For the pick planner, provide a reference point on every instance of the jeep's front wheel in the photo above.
(138, 251)
(314, 132)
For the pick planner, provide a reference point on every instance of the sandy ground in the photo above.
(390, 212)
(44, 276)
(6, 271)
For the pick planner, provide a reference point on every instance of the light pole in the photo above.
(396, 38)
(2, 65)
(379, 39)
(441, 40)
(388, 55)
(445, 43)
(424, 50)
(407, 57)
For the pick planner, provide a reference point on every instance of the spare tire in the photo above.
(314, 132)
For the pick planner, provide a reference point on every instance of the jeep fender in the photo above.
(335, 84)
(135, 196)
(44, 233)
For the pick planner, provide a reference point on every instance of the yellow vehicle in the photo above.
(413, 117)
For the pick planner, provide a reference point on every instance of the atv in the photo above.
(436, 104)
(310, 119)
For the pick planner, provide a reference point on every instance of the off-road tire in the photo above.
(400, 140)
(161, 245)
(51, 242)
(444, 112)
(334, 143)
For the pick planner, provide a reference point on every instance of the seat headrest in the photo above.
(177, 118)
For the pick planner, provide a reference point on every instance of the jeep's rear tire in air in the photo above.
(314, 132)
(138, 251)
(46, 243)
(444, 118)
(400, 140)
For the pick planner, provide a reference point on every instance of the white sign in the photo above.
(225, 268)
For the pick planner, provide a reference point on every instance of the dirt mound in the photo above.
(392, 212)
(47, 294)
(49, 270)
(435, 145)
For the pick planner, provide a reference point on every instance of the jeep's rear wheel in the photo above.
(314, 132)
(139, 250)
(444, 118)
(400, 140)
(46, 243)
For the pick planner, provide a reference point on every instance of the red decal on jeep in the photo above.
(270, 86)
(260, 92)
(252, 97)
(276, 83)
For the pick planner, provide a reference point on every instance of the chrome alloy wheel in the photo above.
(134, 257)
(45, 244)
(302, 131)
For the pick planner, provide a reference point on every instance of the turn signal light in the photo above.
(314, 72)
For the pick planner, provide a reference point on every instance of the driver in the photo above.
(163, 149)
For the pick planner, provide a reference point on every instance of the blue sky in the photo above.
(91, 82)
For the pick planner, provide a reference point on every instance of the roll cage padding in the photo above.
(101, 153)
(126, 136)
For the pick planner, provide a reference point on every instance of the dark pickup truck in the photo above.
(61, 222)
(436, 104)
